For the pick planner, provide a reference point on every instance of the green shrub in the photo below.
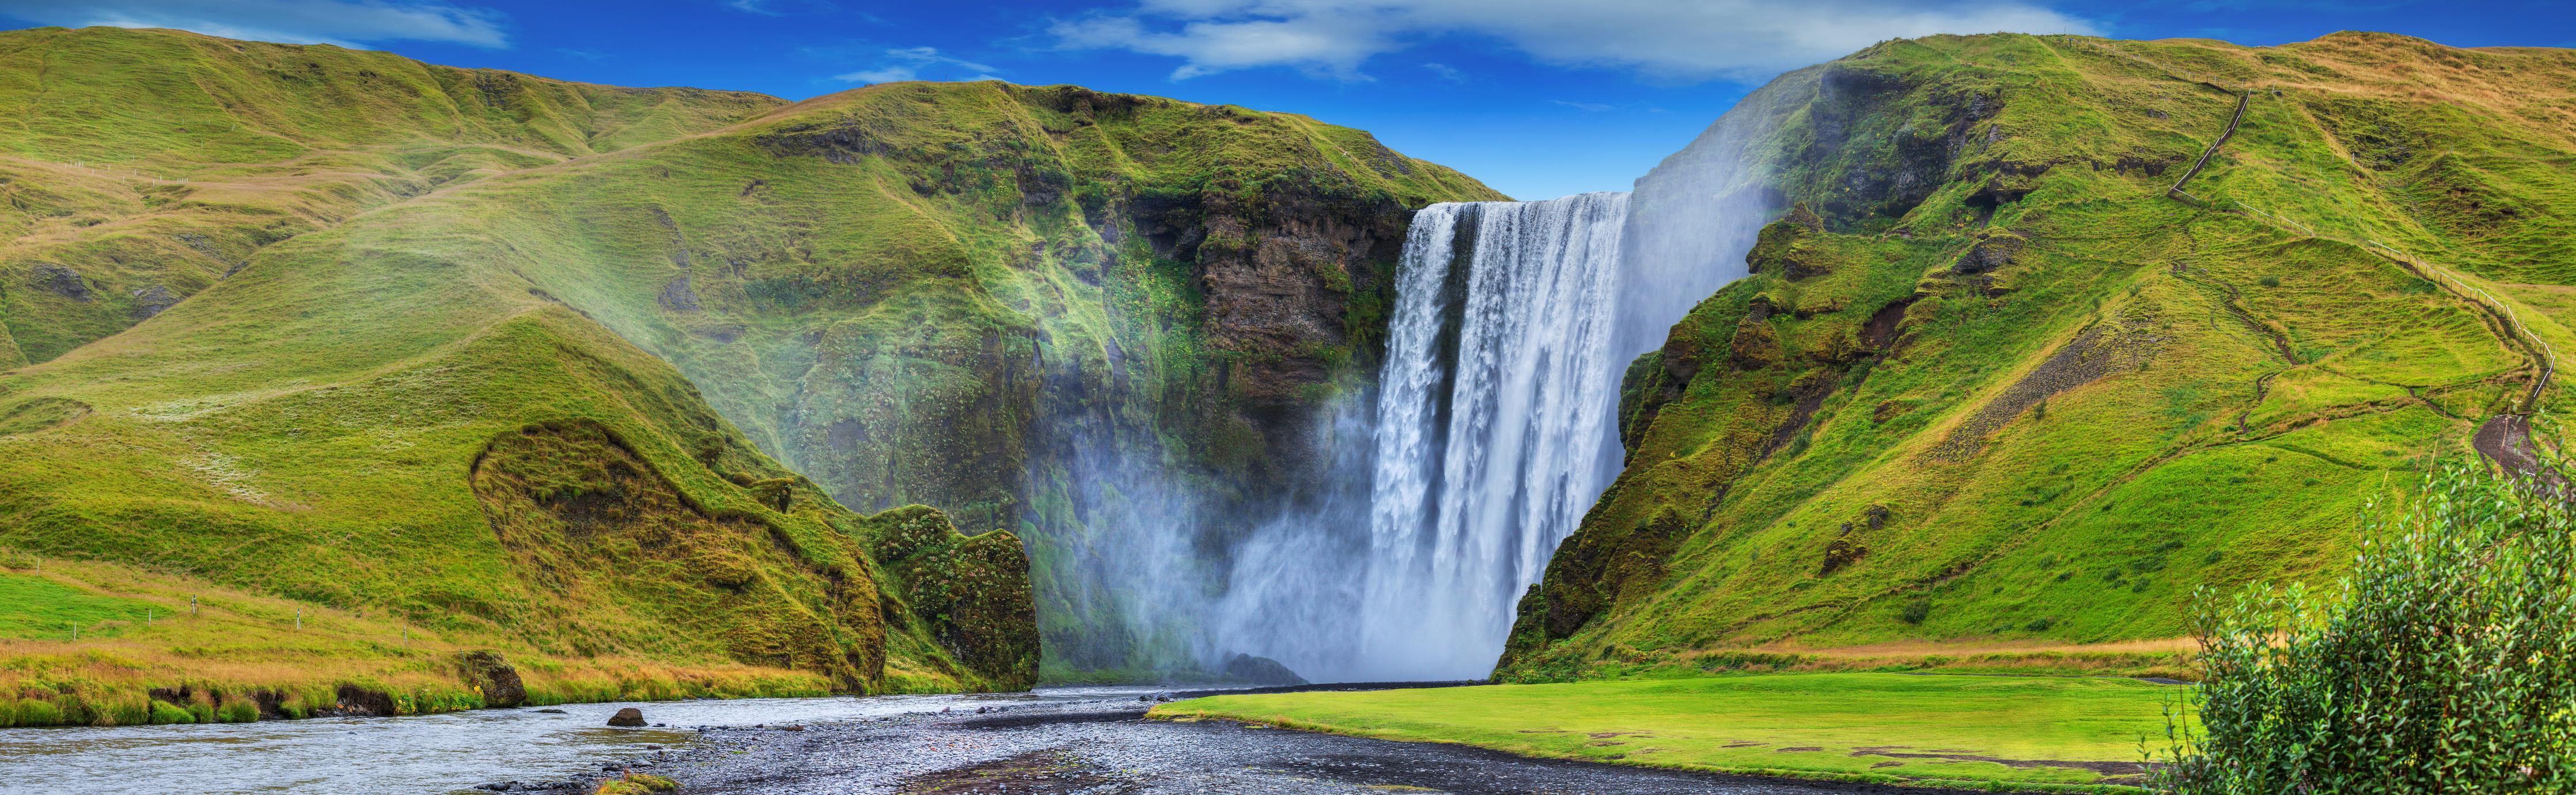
(2269, 281)
(123, 711)
(1915, 611)
(166, 712)
(239, 710)
(2444, 662)
(31, 712)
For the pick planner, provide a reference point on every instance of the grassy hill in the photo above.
(377, 364)
(1990, 385)
(142, 166)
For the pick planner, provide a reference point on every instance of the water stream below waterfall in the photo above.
(450, 753)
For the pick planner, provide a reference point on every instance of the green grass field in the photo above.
(35, 607)
(1934, 729)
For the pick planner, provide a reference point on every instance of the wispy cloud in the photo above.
(1446, 72)
(341, 22)
(1664, 39)
(585, 55)
(1588, 107)
(907, 63)
(780, 8)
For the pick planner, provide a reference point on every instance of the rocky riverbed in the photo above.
(1106, 746)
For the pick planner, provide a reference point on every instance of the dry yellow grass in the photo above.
(235, 643)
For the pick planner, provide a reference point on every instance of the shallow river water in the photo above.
(421, 754)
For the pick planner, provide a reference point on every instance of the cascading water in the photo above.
(1493, 418)
(1489, 434)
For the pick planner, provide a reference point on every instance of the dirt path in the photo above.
(1106, 747)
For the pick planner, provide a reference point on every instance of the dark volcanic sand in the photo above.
(1105, 747)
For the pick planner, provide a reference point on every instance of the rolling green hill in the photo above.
(1990, 385)
(376, 362)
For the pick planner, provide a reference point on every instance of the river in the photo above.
(1052, 741)
(449, 753)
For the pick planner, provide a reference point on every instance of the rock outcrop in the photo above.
(493, 677)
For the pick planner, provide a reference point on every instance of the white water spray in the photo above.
(1493, 419)
(1492, 430)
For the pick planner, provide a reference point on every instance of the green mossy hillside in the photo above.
(946, 294)
(506, 361)
(140, 166)
(1988, 385)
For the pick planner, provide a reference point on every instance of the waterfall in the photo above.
(1488, 435)
(1493, 422)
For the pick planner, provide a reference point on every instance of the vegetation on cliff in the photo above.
(1989, 384)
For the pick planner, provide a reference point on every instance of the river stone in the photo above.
(629, 716)
(487, 671)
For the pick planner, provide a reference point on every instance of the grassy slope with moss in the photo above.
(142, 166)
(1956, 730)
(511, 390)
(934, 293)
(1989, 385)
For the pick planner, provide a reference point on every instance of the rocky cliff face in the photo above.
(1985, 381)
(1080, 314)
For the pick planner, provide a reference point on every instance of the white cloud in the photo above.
(780, 8)
(1665, 39)
(340, 22)
(1588, 107)
(1446, 72)
(891, 74)
(906, 63)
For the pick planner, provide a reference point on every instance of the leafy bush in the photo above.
(2444, 662)
(166, 712)
(2270, 281)
(1915, 611)
(238, 710)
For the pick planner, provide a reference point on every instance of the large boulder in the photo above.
(487, 672)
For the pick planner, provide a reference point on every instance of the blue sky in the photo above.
(1538, 99)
